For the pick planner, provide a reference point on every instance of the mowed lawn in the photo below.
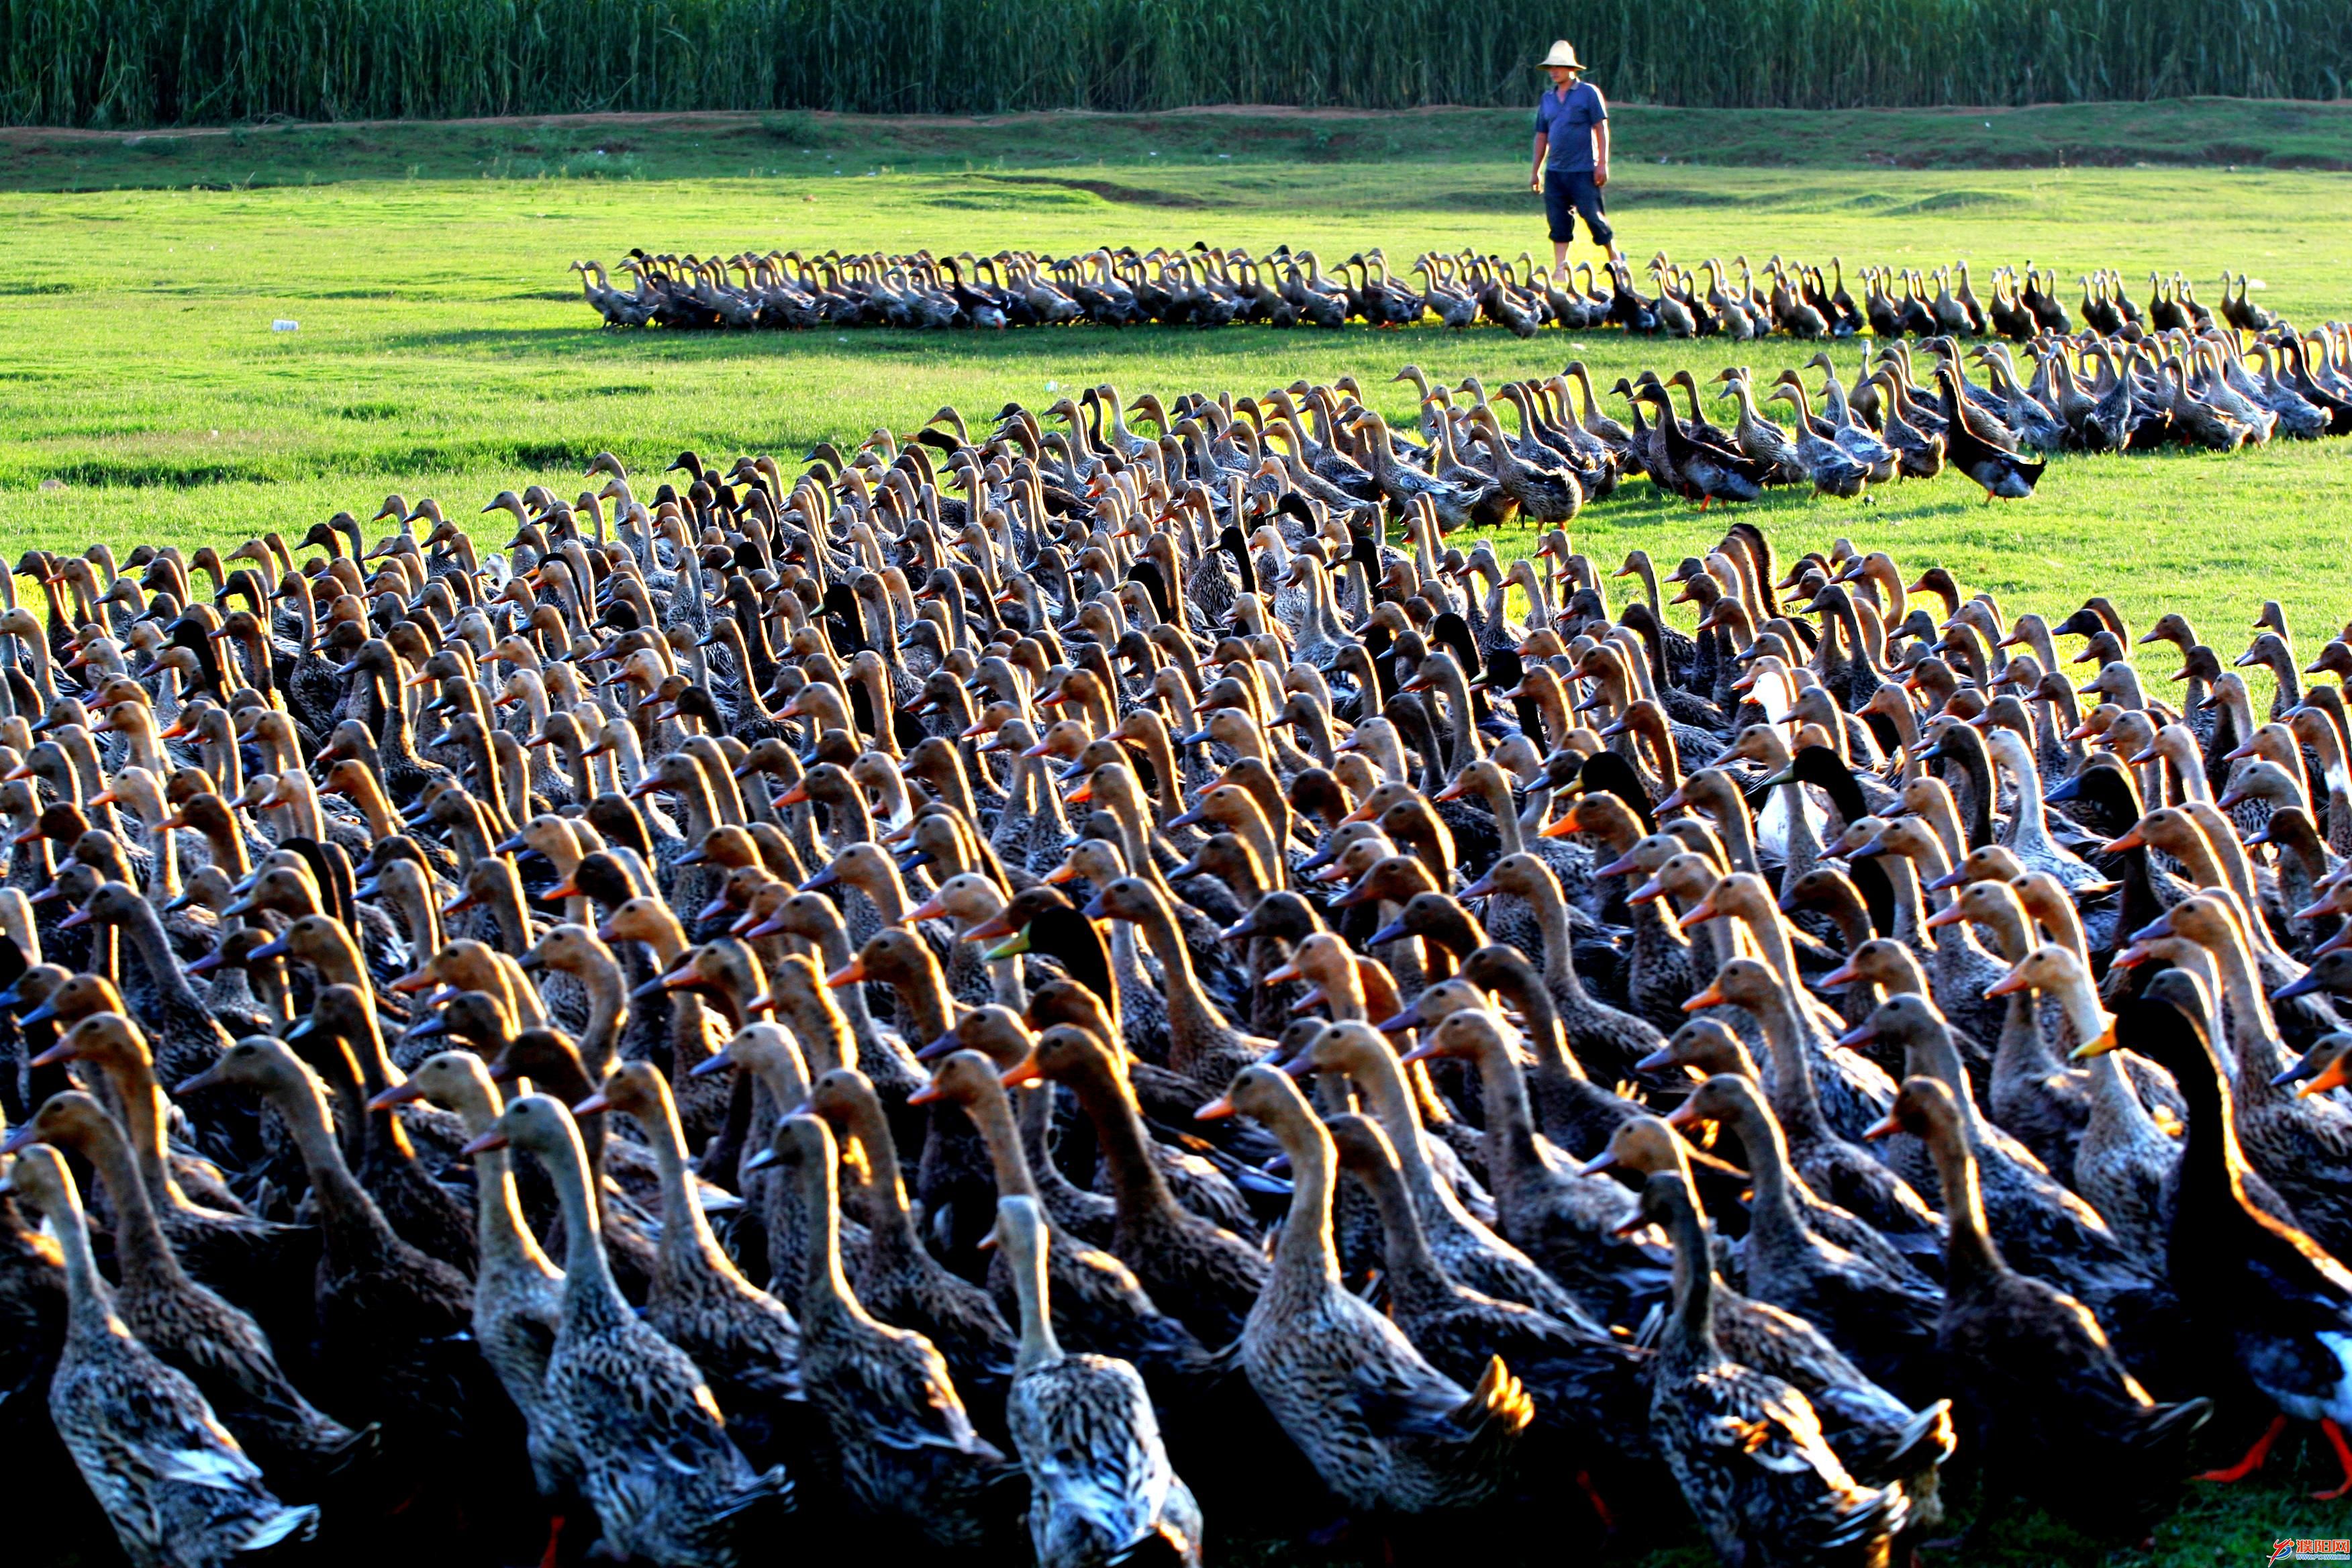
(443, 350)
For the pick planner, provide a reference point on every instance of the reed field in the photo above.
(174, 62)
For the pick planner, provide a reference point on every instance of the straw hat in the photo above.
(1563, 53)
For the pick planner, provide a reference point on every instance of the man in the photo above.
(1572, 155)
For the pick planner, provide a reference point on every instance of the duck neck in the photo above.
(893, 1239)
(1135, 1179)
(1551, 921)
(1038, 1348)
(2253, 1032)
(992, 1114)
(1969, 1254)
(142, 1106)
(355, 1227)
(1507, 826)
(608, 1011)
(1191, 1014)
(89, 1300)
(590, 1296)
(1304, 1260)
(144, 930)
(686, 1237)
(1382, 1081)
(1773, 1210)
(144, 1258)
(1415, 1279)
(1795, 1100)
(1691, 1334)
(508, 1245)
(1510, 1133)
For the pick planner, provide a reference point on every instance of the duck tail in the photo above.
(1162, 1546)
(1925, 1443)
(286, 1526)
(770, 1484)
(1500, 1405)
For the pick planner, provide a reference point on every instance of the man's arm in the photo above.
(1600, 154)
(1543, 145)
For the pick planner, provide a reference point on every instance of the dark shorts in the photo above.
(1566, 195)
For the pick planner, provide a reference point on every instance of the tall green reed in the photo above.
(160, 62)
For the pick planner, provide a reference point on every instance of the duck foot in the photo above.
(1601, 1505)
(2334, 1436)
(547, 1559)
(2254, 1456)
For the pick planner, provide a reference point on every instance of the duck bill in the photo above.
(1217, 1109)
(1699, 915)
(1712, 997)
(2099, 1045)
(398, 1094)
(850, 974)
(993, 929)
(2332, 1076)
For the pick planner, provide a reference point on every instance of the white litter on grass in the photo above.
(283, 325)
(1052, 386)
(2254, 283)
(53, 484)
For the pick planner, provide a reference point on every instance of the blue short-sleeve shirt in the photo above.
(1567, 118)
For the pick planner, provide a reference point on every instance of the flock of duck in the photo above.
(1016, 996)
(1207, 286)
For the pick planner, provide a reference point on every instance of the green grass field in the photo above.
(144, 395)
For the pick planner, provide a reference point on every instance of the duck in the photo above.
(396, 1320)
(219, 1347)
(1885, 1318)
(742, 1340)
(1314, 1352)
(1877, 1436)
(1096, 1303)
(1584, 1381)
(1101, 1487)
(170, 1479)
(1565, 1220)
(519, 1290)
(901, 1283)
(666, 1480)
(2282, 1302)
(2038, 1384)
(1197, 1271)
(1745, 1448)
(903, 1448)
